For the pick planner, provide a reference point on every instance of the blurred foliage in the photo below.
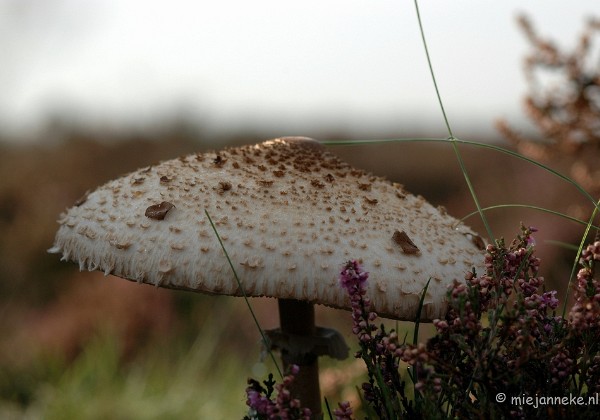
(39, 182)
(563, 103)
(98, 385)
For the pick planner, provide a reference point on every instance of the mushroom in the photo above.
(290, 214)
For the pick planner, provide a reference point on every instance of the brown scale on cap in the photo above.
(407, 245)
(158, 211)
(291, 214)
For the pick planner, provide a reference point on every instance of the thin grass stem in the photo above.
(451, 137)
(475, 144)
(532, 207)
(429, 63)
(328, 409)
(463, 169)
(419, 311)
(265, 340)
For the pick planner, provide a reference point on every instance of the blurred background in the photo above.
(92, 90)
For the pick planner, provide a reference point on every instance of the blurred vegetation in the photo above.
(97, 384)
(563, 104)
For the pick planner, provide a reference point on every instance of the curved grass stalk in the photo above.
(472, 189)
(532, 207)
(578, 255)
(451, 137)
(430, 65)
(419, 310)
(476, 144)
(262, 333)
(562, 244)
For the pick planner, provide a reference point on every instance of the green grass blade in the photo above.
(419, 310)
(475, 144)
(435, 85)
(576, 262)
(532, 207)
(451, 137)
(472, 189)
(260, 330)
(328, 409)
(563, 245)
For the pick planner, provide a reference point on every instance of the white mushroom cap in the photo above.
(290, 214)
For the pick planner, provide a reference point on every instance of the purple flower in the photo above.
(343, 412)
(352, 277)
(256, 401)
(283, 406)
(530, 240)
(549, 299)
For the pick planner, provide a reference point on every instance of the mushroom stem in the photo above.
(298, 317)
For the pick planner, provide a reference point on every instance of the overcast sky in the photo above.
(294, 64)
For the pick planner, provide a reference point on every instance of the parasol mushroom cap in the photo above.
(289, 213)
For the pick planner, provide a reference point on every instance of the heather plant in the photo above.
(265, 404)
(500, 351)
(385, 389)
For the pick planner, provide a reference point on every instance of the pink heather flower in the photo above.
(530, 240)
(562, 365)
(344, 412)
(282, 407)
(354, 280)
(256, 401)
(352, 276)
(585, 313)
(549, 299)
(294, 369)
